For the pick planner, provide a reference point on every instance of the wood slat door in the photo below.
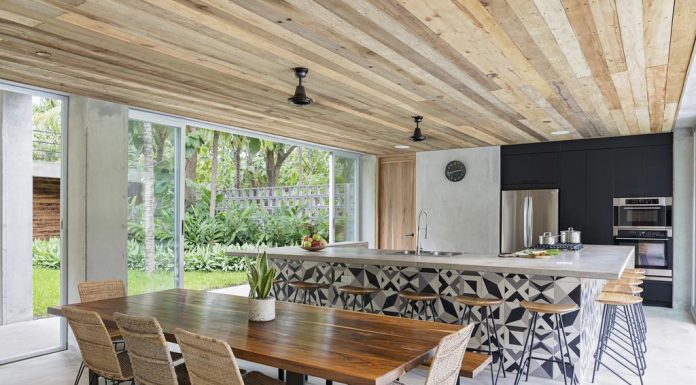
(397, 202)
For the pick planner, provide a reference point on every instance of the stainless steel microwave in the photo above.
(643, 213)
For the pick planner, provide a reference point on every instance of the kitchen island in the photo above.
(570, 277)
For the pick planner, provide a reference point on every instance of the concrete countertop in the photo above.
(593, 261)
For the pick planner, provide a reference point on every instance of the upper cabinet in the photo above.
(589, 174)
(539, 170)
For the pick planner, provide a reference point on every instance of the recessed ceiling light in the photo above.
(402, 146)
(561, 132)
(43, 54)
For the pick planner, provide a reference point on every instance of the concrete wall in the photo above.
(97, 191)
(683, 219)
(16, 207)
(465, 215)
(368, 200)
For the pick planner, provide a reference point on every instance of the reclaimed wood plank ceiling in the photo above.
(481, 72)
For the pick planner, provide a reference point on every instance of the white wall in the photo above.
(97, 191)
(465, 215)
(683, 219)
(368, 199)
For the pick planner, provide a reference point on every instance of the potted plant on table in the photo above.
(260, 276)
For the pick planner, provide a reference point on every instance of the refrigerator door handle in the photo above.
(530, 222)
(525, 225)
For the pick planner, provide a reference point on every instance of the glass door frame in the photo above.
(63, 289)
(332, 189)
(179, 181)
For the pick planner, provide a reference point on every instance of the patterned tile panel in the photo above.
(512, 322)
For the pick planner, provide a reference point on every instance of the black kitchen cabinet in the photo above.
(599, 198)
(572, 203)
(657, 293)
(540, 170)
(657, 171)
(589, 174)
(629, 180)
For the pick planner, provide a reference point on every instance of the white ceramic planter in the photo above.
(262, 310)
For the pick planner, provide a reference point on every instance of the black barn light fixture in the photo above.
(417, 135)
(300, 98)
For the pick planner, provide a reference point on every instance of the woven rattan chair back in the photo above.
(448, 358)
(98, 290)
(148, 350)
(208, 361)
(98, 353)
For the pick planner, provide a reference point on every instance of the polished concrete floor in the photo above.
(670, 360)
(22, 338)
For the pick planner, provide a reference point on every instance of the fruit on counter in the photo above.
(314, 241)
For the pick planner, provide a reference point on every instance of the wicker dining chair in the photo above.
(448, 358)
(211, 362)
(153, 363)
(97, 350)
(98, 290)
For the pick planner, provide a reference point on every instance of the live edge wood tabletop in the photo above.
(350, 347)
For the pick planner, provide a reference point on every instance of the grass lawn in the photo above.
(46, 284)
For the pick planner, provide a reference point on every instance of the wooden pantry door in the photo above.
(397, 202)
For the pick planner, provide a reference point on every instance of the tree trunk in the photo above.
(213, 173)
(299, 167)
(237, 167)
(270, 168)
(149, 199)
(190, 171)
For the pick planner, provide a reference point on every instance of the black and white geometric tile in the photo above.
(512, 322)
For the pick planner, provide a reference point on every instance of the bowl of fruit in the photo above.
(314, 242)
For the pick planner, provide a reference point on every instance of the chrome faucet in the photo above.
(419, 246)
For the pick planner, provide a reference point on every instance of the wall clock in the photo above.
(455, 171)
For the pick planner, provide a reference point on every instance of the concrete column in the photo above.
(368, 200)
(16, 280)
(683, 218)
(97, 191)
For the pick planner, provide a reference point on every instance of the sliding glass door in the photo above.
(32, 263)
(345, 173)
(154, 212)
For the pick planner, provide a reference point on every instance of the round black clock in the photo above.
(455, 171)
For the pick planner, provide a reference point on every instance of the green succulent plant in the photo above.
(260, 276)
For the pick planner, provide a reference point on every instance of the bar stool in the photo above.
(557, 310)
(413, 299)
(365, 293)
(621, 336)
(486, 305)
(632, 290)
(310, 289)
(276, 285)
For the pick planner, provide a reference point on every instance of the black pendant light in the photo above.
(300, 98)
(417, 135)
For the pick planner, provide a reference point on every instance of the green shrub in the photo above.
(46, 253)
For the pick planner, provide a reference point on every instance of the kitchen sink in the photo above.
(423, 253)
(443, 253)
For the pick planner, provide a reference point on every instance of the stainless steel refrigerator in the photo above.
(526, 214)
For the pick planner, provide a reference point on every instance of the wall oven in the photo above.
(653, 251)
(643, 214)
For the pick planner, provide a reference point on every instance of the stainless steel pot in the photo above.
(547, 239)
(570, 236)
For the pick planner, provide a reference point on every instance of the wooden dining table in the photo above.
(350, 347)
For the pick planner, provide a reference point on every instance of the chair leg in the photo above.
(372, 308)
(294, 299)
(79, 373)
(434, 313)
(281, 374)
(531, 346)
(484, 316)
(501, 357)
(560, 346)
(523, 358)
(405, 308)
(355, 301)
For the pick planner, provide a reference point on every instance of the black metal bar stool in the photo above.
(486, 305)
(412, 301)
(557, 310)
(637, 291)
(358, 292)
(617, 339)
(310, 289)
